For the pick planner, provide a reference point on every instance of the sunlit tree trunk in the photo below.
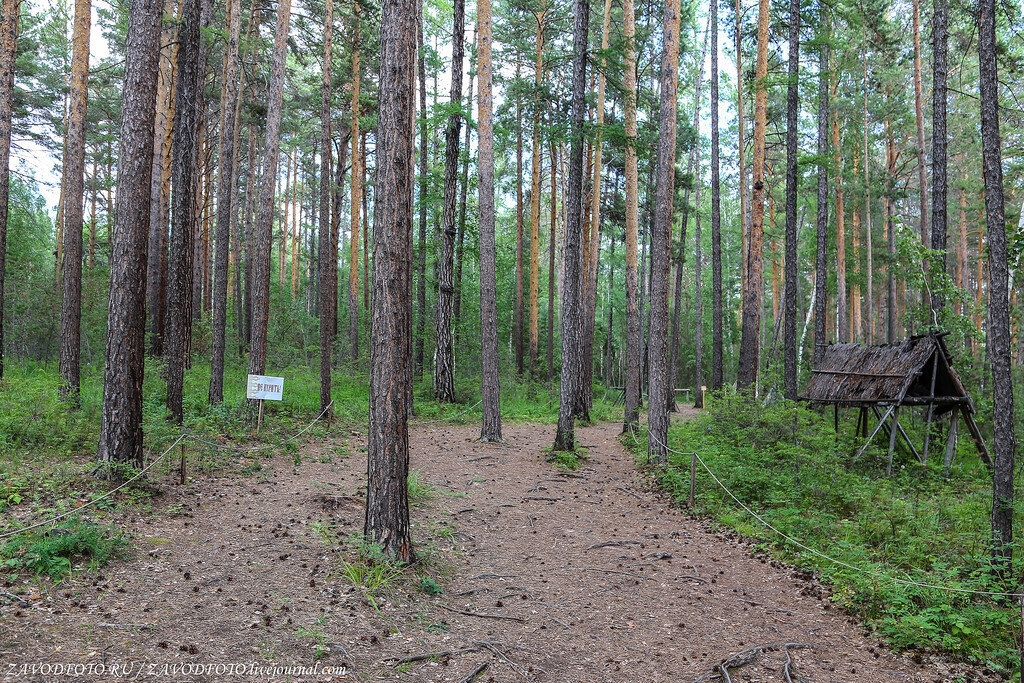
(842, 302)
(716, 220)
(922, 175)
(869, 319)
(551, 263)
(717, 368)
(462, 201)
(74, 191)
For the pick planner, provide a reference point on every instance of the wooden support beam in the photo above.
(947, 462)
(875, 431)
(902, 432)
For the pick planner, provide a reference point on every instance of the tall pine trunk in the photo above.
(444, 354)
(421, 250)
(121, 417)
(265, 210)
(459, 250)
(572, 290)
(1003, 440)
(922, 175)
(356, 194)
(225, 193)
(792, 150)
(661, 239)
(717, 369)
(939, 142)
(74, 190)
(8, 52)
(821, 251)
(634, 343)
(490, 382)
(716, 221)
(327, 265)
(387, 491)
(535, 201)
(750, 340)
(184, 202)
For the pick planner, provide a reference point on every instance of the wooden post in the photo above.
(693, 478)
(182, 468)
(881, 422)
(947, 462)
(892, 440)
(259, 420)
(836, 420)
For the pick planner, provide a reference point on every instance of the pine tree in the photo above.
(9, 17)
(121, 418)
(633, 327)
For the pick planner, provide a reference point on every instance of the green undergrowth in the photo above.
(54, 552)
(786, 463)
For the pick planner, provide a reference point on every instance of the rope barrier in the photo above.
(818, 553)
(92, 502)
(150, 466)
(250, 449)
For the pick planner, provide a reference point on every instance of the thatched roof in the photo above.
(886, 373)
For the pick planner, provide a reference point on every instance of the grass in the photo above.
(567, 461)
(786, 463)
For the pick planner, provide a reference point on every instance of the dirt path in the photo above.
(585, 576)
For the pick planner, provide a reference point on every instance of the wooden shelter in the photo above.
(917, 372)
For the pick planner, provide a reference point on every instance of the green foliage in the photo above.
(53, 552)
(786, 463)
(419, 490)
(429, 586)
(568, 461)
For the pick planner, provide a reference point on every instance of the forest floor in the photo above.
(546, 575)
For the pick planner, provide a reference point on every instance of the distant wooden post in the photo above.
(892, 439)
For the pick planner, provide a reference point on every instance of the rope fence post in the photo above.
(182, 469)
(693, 478)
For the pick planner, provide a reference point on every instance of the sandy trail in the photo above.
(547, 576)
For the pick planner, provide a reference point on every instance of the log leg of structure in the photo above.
(947, 462)
(902, 432)
(892, 439)
(875, 431)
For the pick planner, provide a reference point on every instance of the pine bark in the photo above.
(184, 200)
(716, 222)
(225, 194)
(551, 265)
(74, 190)
(939, 145)
(572, 290)
(421, 250)
(717, 369)
(11, 12)
(821, 251)
(459, 250)
(327, 276)
(750, 341)
(356, 194)
(517, 314)
(387, 491)
(121, 438)
(792, 150)
(1003, 440)
(661, 240)
(490, 387)
(444, 354)
(922, 175)
(633, 327)
(156, 285)
(842, 301)
(265, 209)
(534, 331)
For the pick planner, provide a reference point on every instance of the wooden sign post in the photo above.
(262, 388)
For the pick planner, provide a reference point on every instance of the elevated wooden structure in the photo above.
(915, 372)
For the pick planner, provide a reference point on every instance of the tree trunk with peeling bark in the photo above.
(634, 342)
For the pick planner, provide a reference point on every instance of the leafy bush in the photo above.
(787, 463)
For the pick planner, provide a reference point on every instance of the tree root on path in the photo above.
(481, 614)
(474, 673)
(431, 655)
(721, 670)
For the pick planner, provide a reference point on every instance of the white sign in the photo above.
(266, 388)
